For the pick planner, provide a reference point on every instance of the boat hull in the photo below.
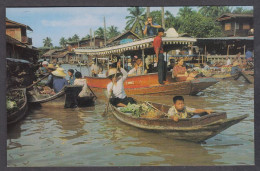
(193, 129)
(18, 115)
(148, 85)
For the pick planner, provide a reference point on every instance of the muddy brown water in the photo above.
(53, 136)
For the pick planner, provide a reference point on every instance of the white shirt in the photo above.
(118, 88)
(95, 68)
(228, 62)
(83, 82)
(138, 71)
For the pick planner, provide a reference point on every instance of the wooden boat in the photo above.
(148, 85)
(34, 96)
(22, 110)
(225, 76)
(192, 129)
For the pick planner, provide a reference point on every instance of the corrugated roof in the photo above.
(114, 38)
(49, 53)
(27, 27)
(60, 55)
(231, 15)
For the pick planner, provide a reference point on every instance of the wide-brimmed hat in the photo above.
(51, 66)
(113, 72)
(59, 72)
(235, 63)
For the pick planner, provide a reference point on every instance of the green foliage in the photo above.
(63, 42)
(112, 32)
(198, 25)
(135, 21)
(157, 17)
(47, 42)
(214, 11)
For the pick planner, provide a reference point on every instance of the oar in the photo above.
(37, 81)
(106, 109)
(91, 91)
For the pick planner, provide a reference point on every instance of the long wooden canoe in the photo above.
(21, 112)
(34, 96)
(192, 129)
(148, 85)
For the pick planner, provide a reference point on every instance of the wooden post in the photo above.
(94, 40)
(244, 49)
(163, 21)
(205, 52)
(105, 39)
(147, 12)
(143, 59)
(228, 50)
(124, 61)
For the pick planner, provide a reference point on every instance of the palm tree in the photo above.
(185, 12)
(113, 32)
(214, 11)
(136, 19)
(63, 42)
(170, 21)
(100, 32)
(75, 38)
(47, 42)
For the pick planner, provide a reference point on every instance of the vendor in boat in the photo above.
(81, 81)
(96, 68)
(71, 76)
(235, 68)
(115, 88)
(43, 69)
(180, 72)
(50, 69)
(180, 111)
(59, 80)
(138, 68)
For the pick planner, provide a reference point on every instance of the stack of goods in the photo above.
(14, 100)
(141, 110)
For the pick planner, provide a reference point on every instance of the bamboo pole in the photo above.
(147, 12)
(163, 21)
(143, 58)
(105, 39)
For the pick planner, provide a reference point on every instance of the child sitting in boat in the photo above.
(138, 69)
(81, 81)
(180, 111)
(115, 88)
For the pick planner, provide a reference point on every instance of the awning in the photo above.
(136, 45)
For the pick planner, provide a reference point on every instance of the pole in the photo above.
(105, 41)
(163, 22)
(205, 52)
(147, 12)
(94, 40)
(143, 59)
(90, 33)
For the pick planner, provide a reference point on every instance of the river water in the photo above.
(53, 136)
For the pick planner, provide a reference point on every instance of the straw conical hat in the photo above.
(59, 72)
(51, 66)
(112, 72)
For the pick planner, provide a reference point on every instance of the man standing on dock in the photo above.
(157, 44)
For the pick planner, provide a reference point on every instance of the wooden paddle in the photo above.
(106, 109)
(165, 114)
(37, 81)
(91, 91)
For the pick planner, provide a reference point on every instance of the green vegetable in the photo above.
(135, 109)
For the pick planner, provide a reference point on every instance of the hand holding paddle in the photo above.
(37, 81)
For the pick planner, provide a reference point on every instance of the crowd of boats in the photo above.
(191, 129)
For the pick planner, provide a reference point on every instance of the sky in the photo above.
(66, 21)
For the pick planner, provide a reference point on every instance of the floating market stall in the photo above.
(147, 83)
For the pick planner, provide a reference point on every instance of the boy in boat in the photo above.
(138, 68)
(180, 111)
(115, 88)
